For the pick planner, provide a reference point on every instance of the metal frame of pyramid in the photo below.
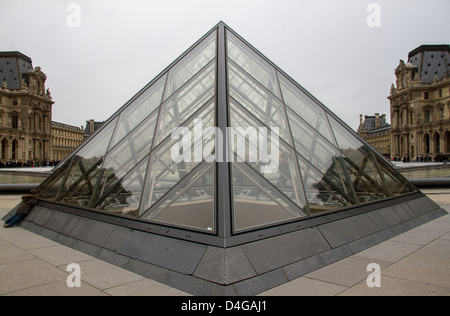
(225, 227)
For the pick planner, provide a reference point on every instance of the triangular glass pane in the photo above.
(306, 108)
(191, 64)
(164, 172)
(138, 110)
(123, 196)
(312, 145)
(252, 63)
(185, 102)
(285, 176)
(190, 204)
(262, 104)
(323, 193)
(397, 184)
(256, 202)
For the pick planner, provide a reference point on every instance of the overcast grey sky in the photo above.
(325, 45)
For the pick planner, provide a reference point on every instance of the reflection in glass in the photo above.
(191, 202)
(125, 156)
(321, 191)
(372, 178)
(256, 202)
(287, 177)
(123, 197)
(74, 182)
(311, 145)
(164, 173)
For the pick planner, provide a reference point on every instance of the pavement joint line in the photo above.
(29, 288)
(325, 281)
(415, 281)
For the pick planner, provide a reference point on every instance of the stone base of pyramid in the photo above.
(246, 268)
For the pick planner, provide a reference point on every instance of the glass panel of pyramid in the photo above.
(258, 203)
(287, 176)
(190, 203)
(163, 172)
(317, 164)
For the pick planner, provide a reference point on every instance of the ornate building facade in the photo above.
(377, 132)
(25, 110)
(420, 105)
(65, 138)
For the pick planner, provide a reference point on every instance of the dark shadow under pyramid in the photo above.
(225, 225)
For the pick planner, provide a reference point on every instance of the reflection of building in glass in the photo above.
(377, 132)
(420, 104)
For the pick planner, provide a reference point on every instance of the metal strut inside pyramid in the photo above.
(127, 168)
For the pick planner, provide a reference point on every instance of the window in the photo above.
(15, 122)
(426, 95)
(441, 113)
(427, 116)
(440, 93)
(15, 102)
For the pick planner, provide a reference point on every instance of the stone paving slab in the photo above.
(24, 274)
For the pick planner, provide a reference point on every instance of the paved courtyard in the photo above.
(414, 263)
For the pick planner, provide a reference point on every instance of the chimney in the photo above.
(91, 126)
(377, 120)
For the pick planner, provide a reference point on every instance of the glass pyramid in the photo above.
(128, 167)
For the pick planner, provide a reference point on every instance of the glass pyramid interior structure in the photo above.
(126, 168)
